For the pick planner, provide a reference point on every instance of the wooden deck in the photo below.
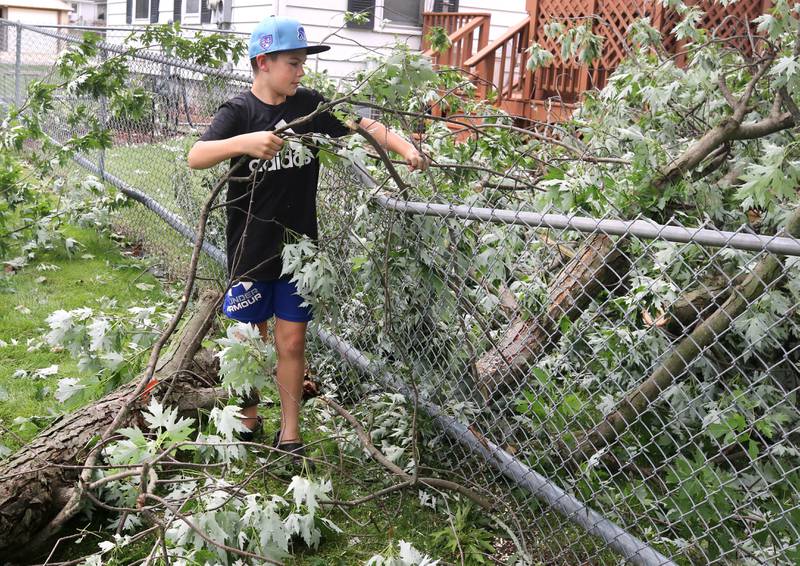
(499, 69)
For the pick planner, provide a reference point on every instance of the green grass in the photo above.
(159, 170)
(29, 296)
(26, 300)
(28, 73)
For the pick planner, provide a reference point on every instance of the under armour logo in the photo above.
(245, 285)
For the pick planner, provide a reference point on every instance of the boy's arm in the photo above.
(262, 145)
(391, 141)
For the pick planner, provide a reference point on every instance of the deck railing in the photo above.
(468, 32)
(501, 65)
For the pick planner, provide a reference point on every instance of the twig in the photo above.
(204, 536)
(379, 457)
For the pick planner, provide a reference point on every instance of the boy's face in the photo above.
(283, 73)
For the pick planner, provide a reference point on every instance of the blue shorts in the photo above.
(258, 301)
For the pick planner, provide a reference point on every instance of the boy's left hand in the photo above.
(414, 159)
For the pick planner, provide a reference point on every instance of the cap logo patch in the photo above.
(265, 41)
(301, 33)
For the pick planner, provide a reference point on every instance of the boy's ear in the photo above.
(263, 62)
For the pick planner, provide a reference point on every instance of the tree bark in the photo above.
(35, 481)
(692, 308)
(637, 400)
(600, 264)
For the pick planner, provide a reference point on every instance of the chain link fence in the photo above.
(625, 390)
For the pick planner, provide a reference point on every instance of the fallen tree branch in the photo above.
(526, 341)
(639, 399)
(730, 129)
(599, 264)
(693, 307)
(203, 535)
(40, 479)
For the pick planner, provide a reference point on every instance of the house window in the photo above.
(192, 8)
(391, 14)
(142, 11)
(401, 12)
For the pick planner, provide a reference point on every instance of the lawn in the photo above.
(28, 73)
(159, 170)
(103, 275)
(96, 275)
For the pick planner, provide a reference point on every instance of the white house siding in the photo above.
(505, 13)
(350, 51)
(35, 49)
(321, 17)
(33, 17)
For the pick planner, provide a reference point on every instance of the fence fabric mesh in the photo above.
(623, 390)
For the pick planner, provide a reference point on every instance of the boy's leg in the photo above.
(244, 302)
(250, 412)
(290, 341)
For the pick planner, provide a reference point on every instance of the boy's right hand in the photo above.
(263, 145)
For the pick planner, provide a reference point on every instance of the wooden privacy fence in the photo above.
(551, 93)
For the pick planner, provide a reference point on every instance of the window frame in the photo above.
(382, 25)
(136, 18)
(191, 17)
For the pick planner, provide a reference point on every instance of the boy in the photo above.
(284, 197)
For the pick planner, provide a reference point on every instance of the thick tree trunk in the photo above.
(36, 481)
(637, 400)
(599, 264)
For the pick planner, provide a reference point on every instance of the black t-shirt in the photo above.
(285, 194)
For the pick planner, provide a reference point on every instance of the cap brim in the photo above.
(312, 49)
(309, 49)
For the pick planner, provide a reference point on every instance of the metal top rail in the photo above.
(135, 28)
(146, 55)
(646, 229)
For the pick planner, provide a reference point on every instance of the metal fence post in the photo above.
(101, 159)
(18, 68)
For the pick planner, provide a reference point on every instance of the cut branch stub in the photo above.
(693, 307)
(34, 481)
(600, 264)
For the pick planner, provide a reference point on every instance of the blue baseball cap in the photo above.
(276, 33)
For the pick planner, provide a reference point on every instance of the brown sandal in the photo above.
(311, 387)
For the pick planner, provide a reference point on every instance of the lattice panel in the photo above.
(562, 79)
(730, 21)
(614, 19)
(566, 80)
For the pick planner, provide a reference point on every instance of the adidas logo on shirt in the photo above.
(288, 158)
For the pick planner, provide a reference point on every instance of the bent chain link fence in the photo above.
(626, 390)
